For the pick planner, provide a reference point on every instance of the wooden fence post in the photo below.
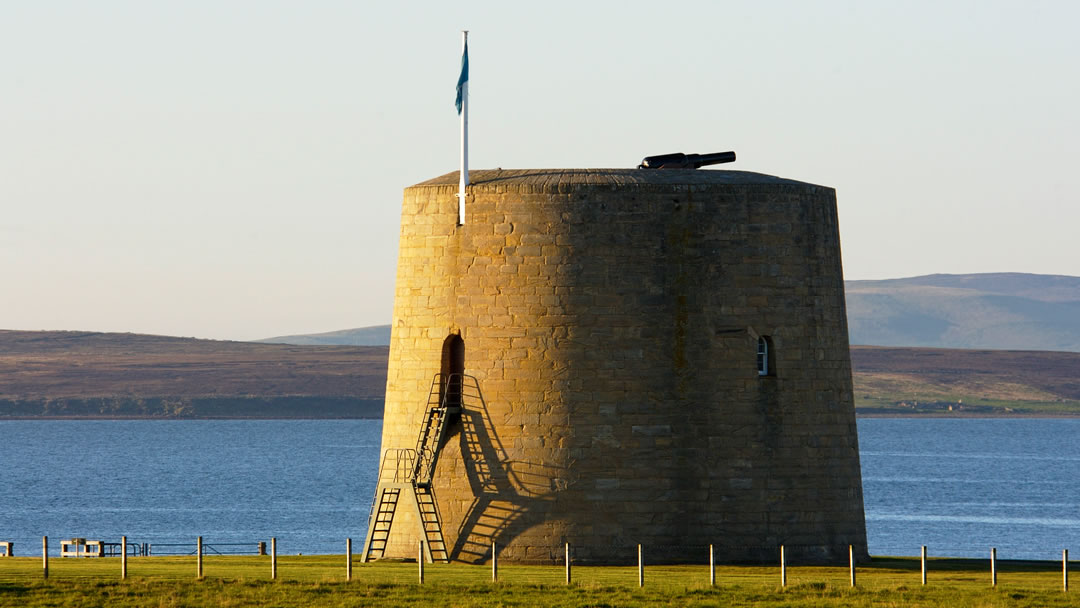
(567, 563)
(273, 558)
(45, 556)
(123, 557)
(851, 562)
(420, 561)
(993, 566)
(1065, 568)
(198, 558)
(783, 568)
(712, 567)
(924, 564)
(494, 563)
(640, 567)
(348, 559)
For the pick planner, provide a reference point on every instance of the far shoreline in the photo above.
(858, 415)
(955, 416)
(171, 418)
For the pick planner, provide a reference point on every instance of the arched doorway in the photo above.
(453, 371)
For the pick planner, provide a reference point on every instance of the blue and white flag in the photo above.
(463, 78)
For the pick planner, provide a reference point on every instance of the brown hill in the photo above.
(929, 380)
(83, 374)
(86, 374)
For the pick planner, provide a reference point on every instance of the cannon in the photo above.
(679, 160)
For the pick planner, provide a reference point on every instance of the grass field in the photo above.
(320, 581)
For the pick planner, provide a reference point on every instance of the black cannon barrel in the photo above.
(679, 160)
(716, 158)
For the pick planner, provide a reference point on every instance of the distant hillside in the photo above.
(1003, 311)
(1000, 311)
(82, 374)
(926, 380)
(377, 335)
(100, 374)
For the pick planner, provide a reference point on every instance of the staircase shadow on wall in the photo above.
(505, 492)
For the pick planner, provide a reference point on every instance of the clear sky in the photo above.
(233, 169)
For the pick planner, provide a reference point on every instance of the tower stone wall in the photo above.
(612, 321)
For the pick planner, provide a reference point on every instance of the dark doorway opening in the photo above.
(453, 371)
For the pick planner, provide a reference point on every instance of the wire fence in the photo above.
(808, 558)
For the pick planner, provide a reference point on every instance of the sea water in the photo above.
(308, 483)
(962, 486)
(959, 486)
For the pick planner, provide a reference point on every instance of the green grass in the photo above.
(319, 581)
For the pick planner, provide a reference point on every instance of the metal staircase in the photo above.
(434, 545)
(413, 470)
(379, 526)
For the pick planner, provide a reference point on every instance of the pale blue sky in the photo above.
(233, 170)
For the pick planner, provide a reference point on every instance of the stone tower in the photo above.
(608, 357)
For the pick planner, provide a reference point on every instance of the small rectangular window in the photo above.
(764, 355)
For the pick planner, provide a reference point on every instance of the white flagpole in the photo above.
(464, 176)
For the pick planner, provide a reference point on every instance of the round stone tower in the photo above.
(614, 357)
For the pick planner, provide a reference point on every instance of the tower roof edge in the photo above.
(609, 177)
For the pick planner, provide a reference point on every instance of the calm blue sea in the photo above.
(307, 482)
(962, 486)
(957, 486)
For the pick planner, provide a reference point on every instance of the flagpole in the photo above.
(464, 174)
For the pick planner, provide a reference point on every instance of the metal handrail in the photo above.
(192, 549)
(397, 465)
(445, 382)
(134, 549)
